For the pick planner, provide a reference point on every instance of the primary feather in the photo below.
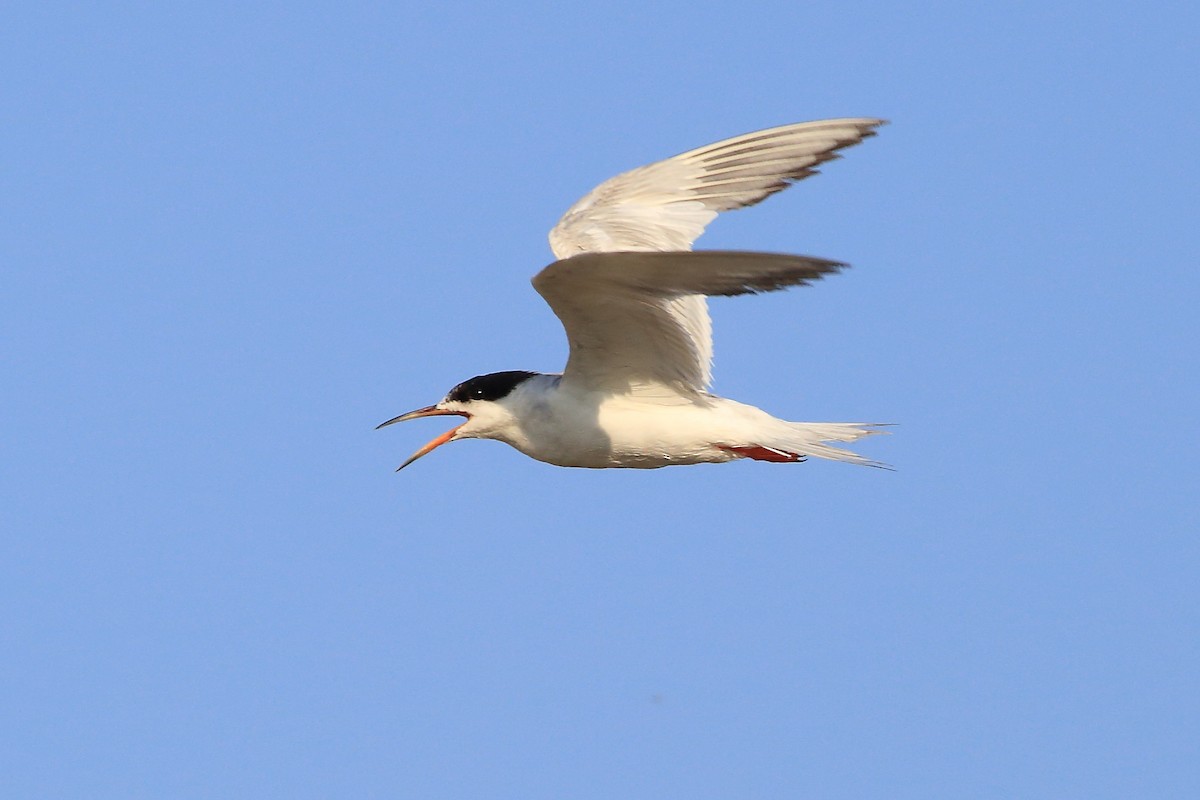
(665, 206)
(617, 309)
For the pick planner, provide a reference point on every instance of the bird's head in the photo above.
(481, 400)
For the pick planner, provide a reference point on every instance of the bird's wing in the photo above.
(666, 205)
(617, 310)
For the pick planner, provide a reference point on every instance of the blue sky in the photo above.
(236, 238)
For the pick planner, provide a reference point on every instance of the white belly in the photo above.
(628, 432)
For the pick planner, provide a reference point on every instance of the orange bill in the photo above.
(428, 411)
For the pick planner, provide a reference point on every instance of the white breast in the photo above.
(648, 431)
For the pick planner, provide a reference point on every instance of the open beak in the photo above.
(428, 411)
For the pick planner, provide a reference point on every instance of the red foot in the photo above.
(760, 453)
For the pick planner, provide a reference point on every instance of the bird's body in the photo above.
(631, 295)
(550, 420)
(561, 425)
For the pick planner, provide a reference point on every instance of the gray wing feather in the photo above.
(666, 205)
(617, 310)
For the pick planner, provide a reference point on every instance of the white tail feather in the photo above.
(809, 439)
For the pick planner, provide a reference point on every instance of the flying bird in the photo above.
(630, 293)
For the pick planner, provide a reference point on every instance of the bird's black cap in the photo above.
(489, 387)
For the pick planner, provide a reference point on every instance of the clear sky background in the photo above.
(235, 238)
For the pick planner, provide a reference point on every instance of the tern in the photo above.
(630, 293)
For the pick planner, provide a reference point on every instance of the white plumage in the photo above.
(631, 296)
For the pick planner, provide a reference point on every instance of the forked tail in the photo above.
(813, 438)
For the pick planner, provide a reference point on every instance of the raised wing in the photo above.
(665, 206)
(616, 309)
